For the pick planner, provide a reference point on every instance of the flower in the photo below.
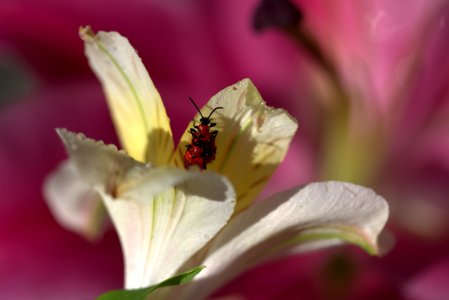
(35, 249)
(165, 215)
(389, 111)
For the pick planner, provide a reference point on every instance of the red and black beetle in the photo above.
(202, 148)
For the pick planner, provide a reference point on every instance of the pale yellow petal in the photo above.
(252, 139)
(136, 106)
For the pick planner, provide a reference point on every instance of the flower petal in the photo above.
(111, 171)
(160, 233)
(162, 215)
(252, 139)
(432, 283)
(74, 203)
(298, 220)
(136, 106)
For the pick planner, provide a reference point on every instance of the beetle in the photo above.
(202, 148)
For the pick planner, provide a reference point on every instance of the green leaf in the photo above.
(143, 293)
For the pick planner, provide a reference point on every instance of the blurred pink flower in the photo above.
(393, 69)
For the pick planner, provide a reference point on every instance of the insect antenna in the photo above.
(196, 106)
(213, 111)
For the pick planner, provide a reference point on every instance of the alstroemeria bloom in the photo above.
(165, 215)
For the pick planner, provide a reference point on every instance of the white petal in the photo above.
(162, 215)
(99, 165)
(136, 106)
(252, 139)
(73, 202)
(112, 171)
(301, 219)
(159, 233)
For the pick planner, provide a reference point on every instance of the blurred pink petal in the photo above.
(395, 68)
(374, 43)
(394, 62)
(187, 43)
(53, 46)
(335, 274)
(39, 259)
(431, 284)
(288, 278)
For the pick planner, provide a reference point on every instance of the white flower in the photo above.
(165, 215)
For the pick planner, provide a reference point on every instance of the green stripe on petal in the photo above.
(136, 106)
(329, 233)
(159, 233)
(302, 219)
(252, 139)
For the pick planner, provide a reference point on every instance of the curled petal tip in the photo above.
(86, 33)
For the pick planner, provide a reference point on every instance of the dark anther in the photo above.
(281, 14)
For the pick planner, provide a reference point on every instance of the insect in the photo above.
(202, 148)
